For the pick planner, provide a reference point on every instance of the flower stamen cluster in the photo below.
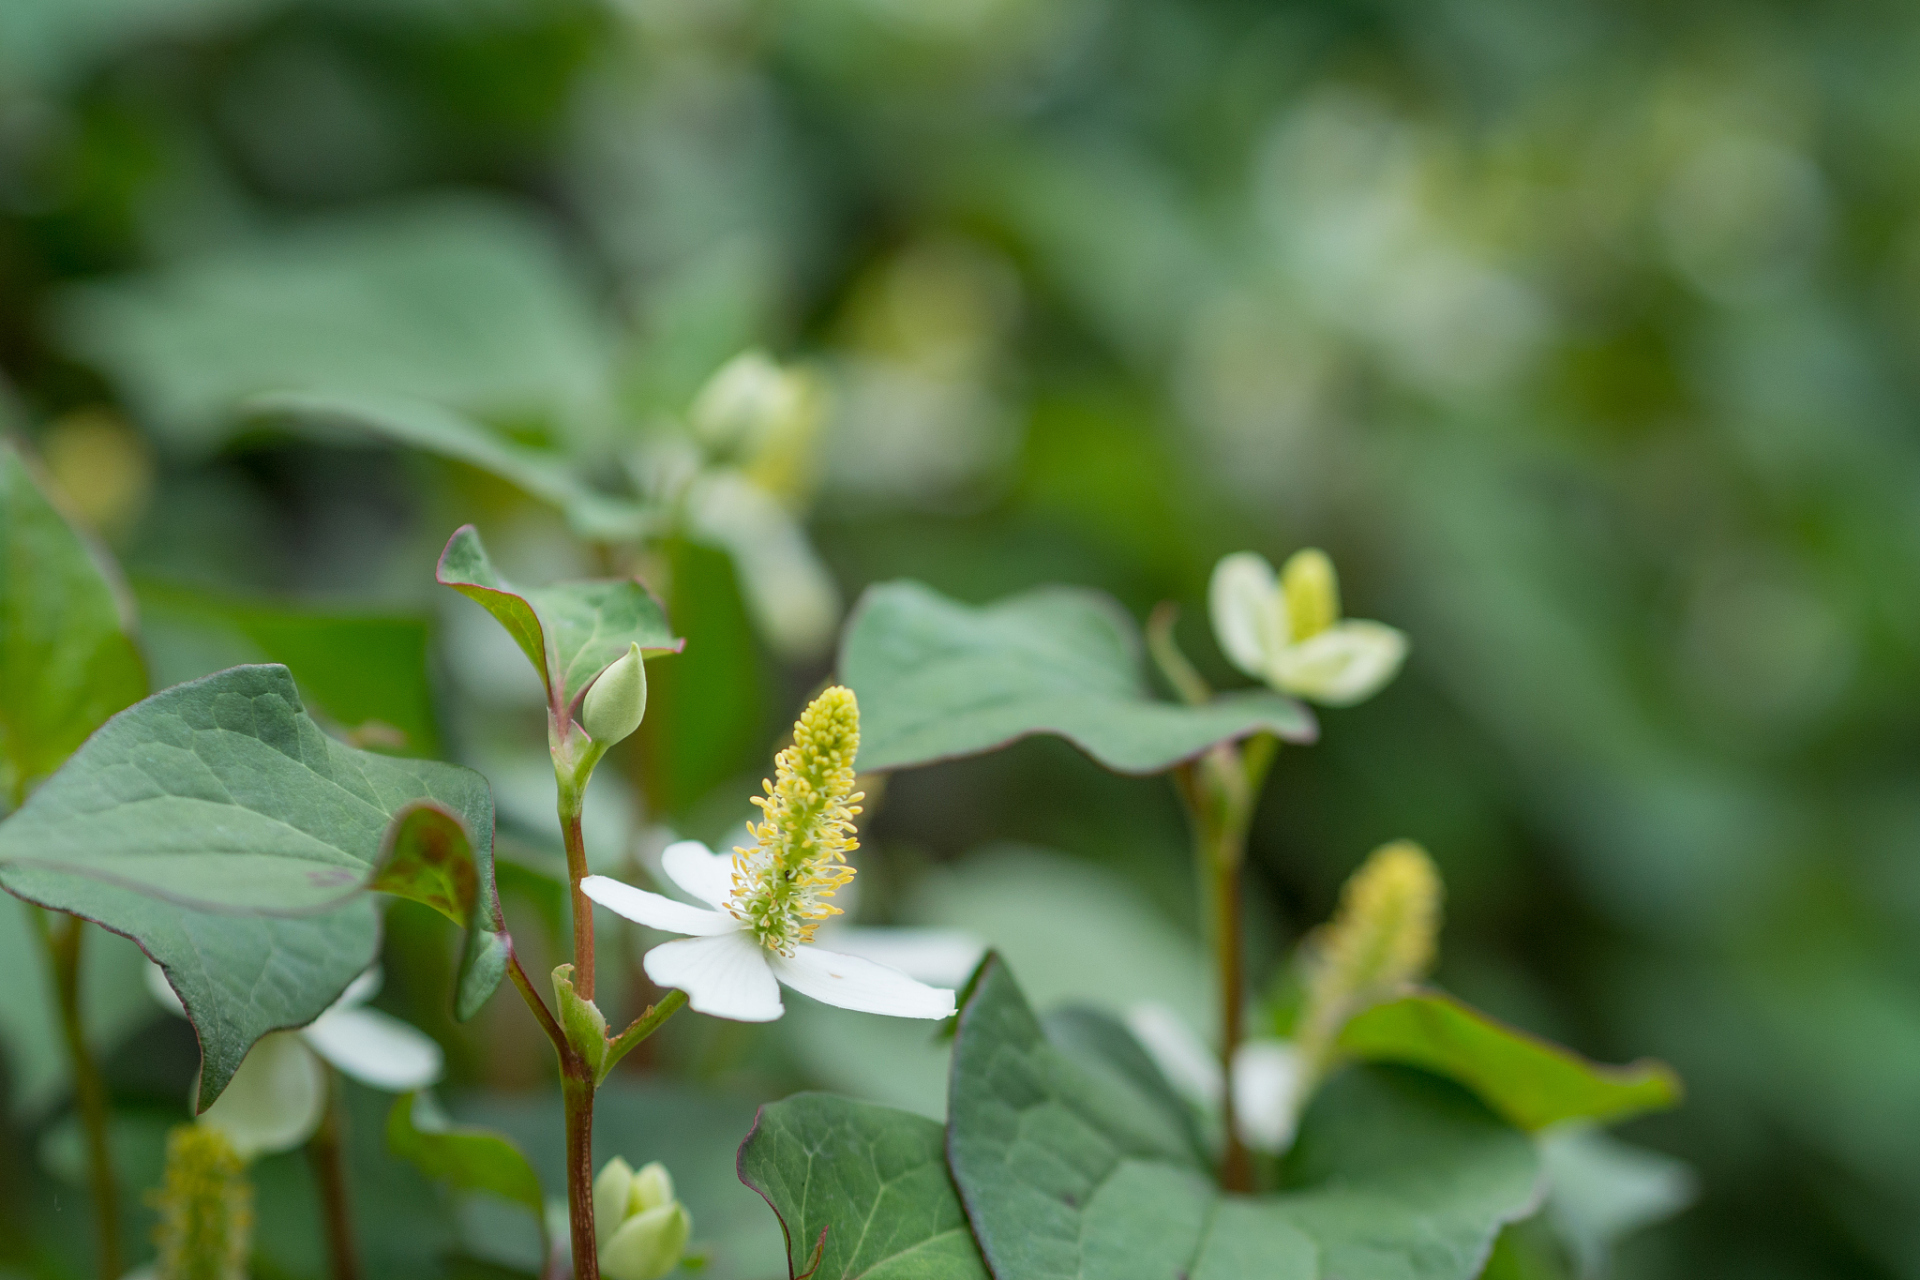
(782, 883)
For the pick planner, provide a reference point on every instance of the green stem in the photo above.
(89, 1090)
(326, 1150)
(570, 805)
(1220, 791)
(576, 1086)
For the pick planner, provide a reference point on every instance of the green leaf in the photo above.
(1532, 1082)
(1070, 1171)
(453, 300)
(113, 1003)
(860, 1191)
(429, 856)
(213, 800)
(571, 631)
(434, 429)
(464, 1158)
(67, 657)
(938, 679)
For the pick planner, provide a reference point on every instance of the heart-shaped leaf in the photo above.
(861, 1191)
(1530, 1081)
(571, 631)
(1070, 1171)
(429, 857)
(216, 825)
(938, 679)
(67, 657)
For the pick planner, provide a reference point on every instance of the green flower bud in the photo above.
(618, 700)
(648, 1245)
(652, 1187)
(612, 1192)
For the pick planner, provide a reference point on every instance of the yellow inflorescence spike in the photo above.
(1312, 592)
(799, 856)
(206, 1209)
(1382, 936)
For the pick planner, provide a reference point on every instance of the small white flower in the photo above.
(725, 968)
(1286, 629)
(278, 1097)
(1266, 1075)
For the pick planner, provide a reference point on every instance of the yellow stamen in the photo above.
(798, 859)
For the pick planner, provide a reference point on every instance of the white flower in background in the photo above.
(1267, 1075)
(766, 901)
(1286, 629)
(740, 483)
(278, 1097)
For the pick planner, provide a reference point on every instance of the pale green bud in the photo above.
(618, 700)
(648, 1245)
(612, 1194)
(652, 1187)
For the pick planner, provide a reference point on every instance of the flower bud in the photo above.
(652, 1187)
(643, 1229)
(648, 1245)
(618, 700)
(610, 1195)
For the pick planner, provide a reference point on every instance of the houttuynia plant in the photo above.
(1338, 1120)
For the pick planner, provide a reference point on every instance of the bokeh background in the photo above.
(1582, 334)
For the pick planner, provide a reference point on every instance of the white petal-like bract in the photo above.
(853, 983)
(943, 957)
(275, 1100)
(703, 873)
(655, 911)
(1183, 1058)
(725, 975)
(1344, 664)
(1249, 613)
(375, 1048)
(1266, 1093)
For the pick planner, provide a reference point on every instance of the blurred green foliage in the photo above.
(1581, 334)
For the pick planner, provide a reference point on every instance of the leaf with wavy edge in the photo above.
(217, 826)
(938, 679)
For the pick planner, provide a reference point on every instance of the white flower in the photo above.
(1286, 629)
(1267, 1075)
(725, 968)
(278, 1097)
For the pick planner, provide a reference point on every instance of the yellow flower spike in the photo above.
(798, 859)
(1312, 592)
(206, 1209)
(1383, 935)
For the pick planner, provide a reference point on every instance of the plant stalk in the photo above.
(570, 805)
(326, 1150)
(576, 1085)
(62, 946)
